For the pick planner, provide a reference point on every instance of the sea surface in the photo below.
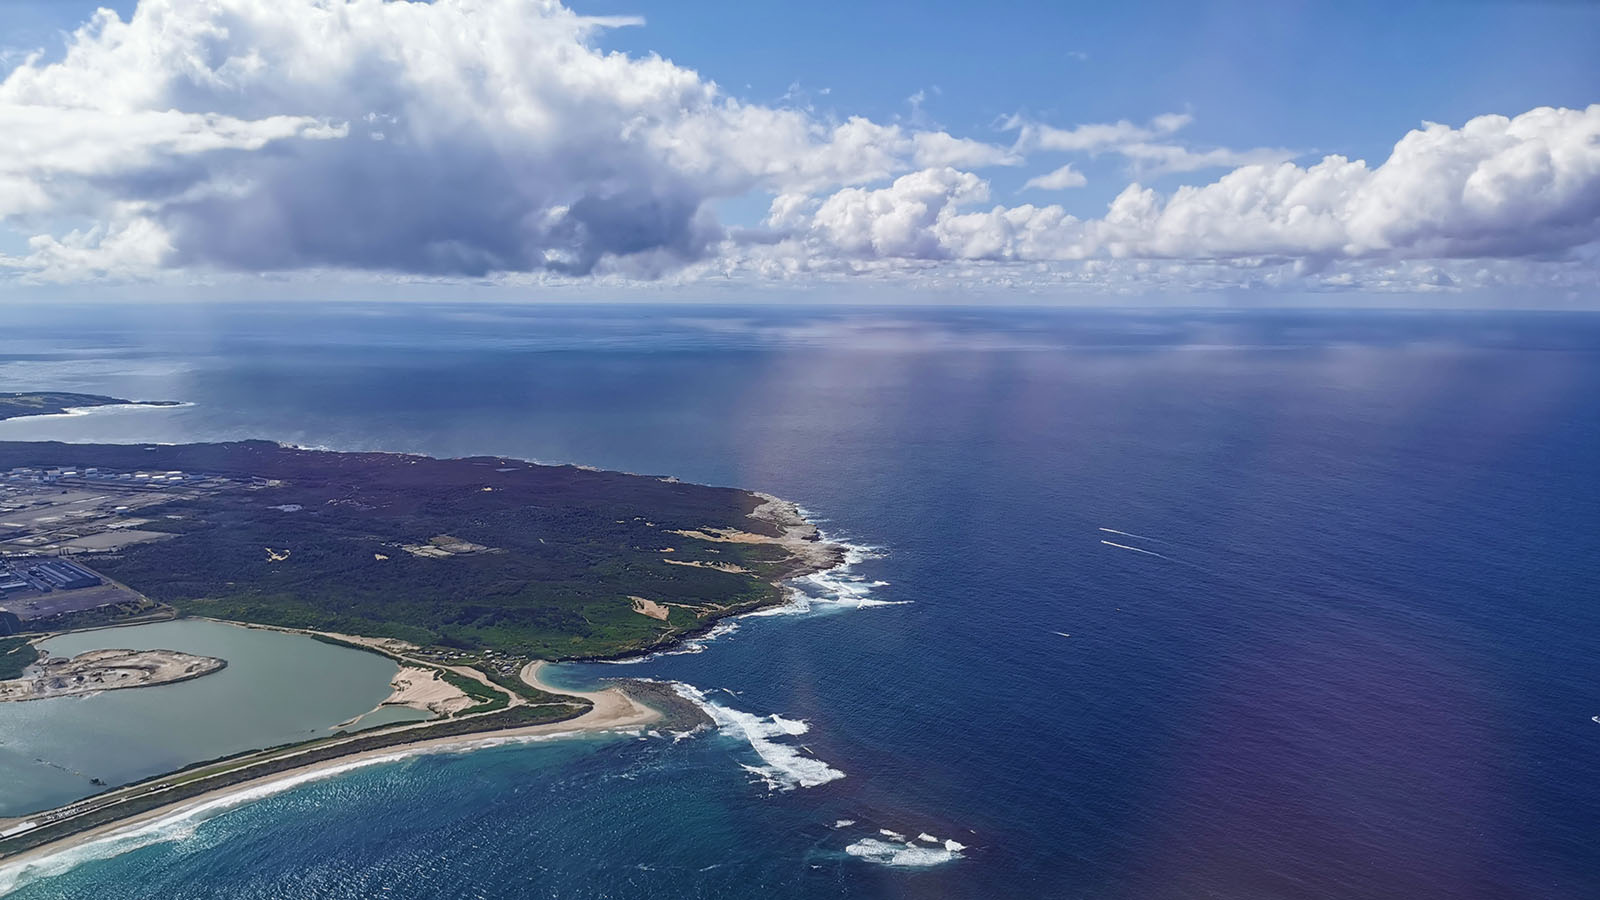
(1148, 604)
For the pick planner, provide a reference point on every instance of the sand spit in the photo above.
(612, 710)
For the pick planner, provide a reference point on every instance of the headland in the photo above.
(15, 405)
(469, 574)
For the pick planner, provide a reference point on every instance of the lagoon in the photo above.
(277, 688)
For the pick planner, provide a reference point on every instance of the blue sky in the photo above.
(1259, 84)
(1329, 77)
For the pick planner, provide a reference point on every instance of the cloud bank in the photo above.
(493, 138)
(1497, 187)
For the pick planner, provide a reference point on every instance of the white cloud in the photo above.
(1497, 187)
(1150, 160)
(492, 138)
(1058, 180)
(1033, 136)
(131, 247)
(458, 137)
(48, 153)
(1146, 147)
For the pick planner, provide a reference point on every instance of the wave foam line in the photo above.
(692, 645)
(181, 823)
(784, 766)
(1134, 549)
(821, 591)
(835, 588)
(831, 589)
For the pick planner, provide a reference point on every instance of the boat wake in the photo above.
(1137, 537)
(1134, 549)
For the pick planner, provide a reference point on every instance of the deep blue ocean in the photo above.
(1354, 653)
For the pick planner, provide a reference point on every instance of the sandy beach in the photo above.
(613, 710)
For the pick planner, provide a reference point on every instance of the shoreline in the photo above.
(68, 412)
(612, 709)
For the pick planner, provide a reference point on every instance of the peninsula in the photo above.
(50, 403)
(468, 573)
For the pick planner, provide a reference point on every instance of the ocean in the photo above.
(1144, 605)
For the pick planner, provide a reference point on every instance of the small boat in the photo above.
(1595, 719)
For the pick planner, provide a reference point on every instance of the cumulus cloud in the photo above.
(455, 137)
(1058, 180)
(469, 138)
(1150, 160)
(1148, 147)
(1496, 187)
(1033, 136)
(46, 152)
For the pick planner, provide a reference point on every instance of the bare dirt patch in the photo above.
(650, 608)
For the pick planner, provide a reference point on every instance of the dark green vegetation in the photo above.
(487, 697)
(124, 613)
(517, 686)
(194, 780)
(534, 560)
(16, 654)
(44, 403)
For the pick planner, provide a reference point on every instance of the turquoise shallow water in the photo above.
(277, 688)
(1354, 661)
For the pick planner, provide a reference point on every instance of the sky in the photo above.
(1339, 153)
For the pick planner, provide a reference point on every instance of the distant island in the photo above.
(468, 573)
(49, 403)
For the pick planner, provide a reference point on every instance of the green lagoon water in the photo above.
(277, 688)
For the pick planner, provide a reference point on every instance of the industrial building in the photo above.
(64, 575)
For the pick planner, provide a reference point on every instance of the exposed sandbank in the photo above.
(106, 670)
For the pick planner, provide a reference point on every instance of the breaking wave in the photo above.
(905, 855)
(838, 588)
(692, 645)
(784, 767)
(180, 824)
